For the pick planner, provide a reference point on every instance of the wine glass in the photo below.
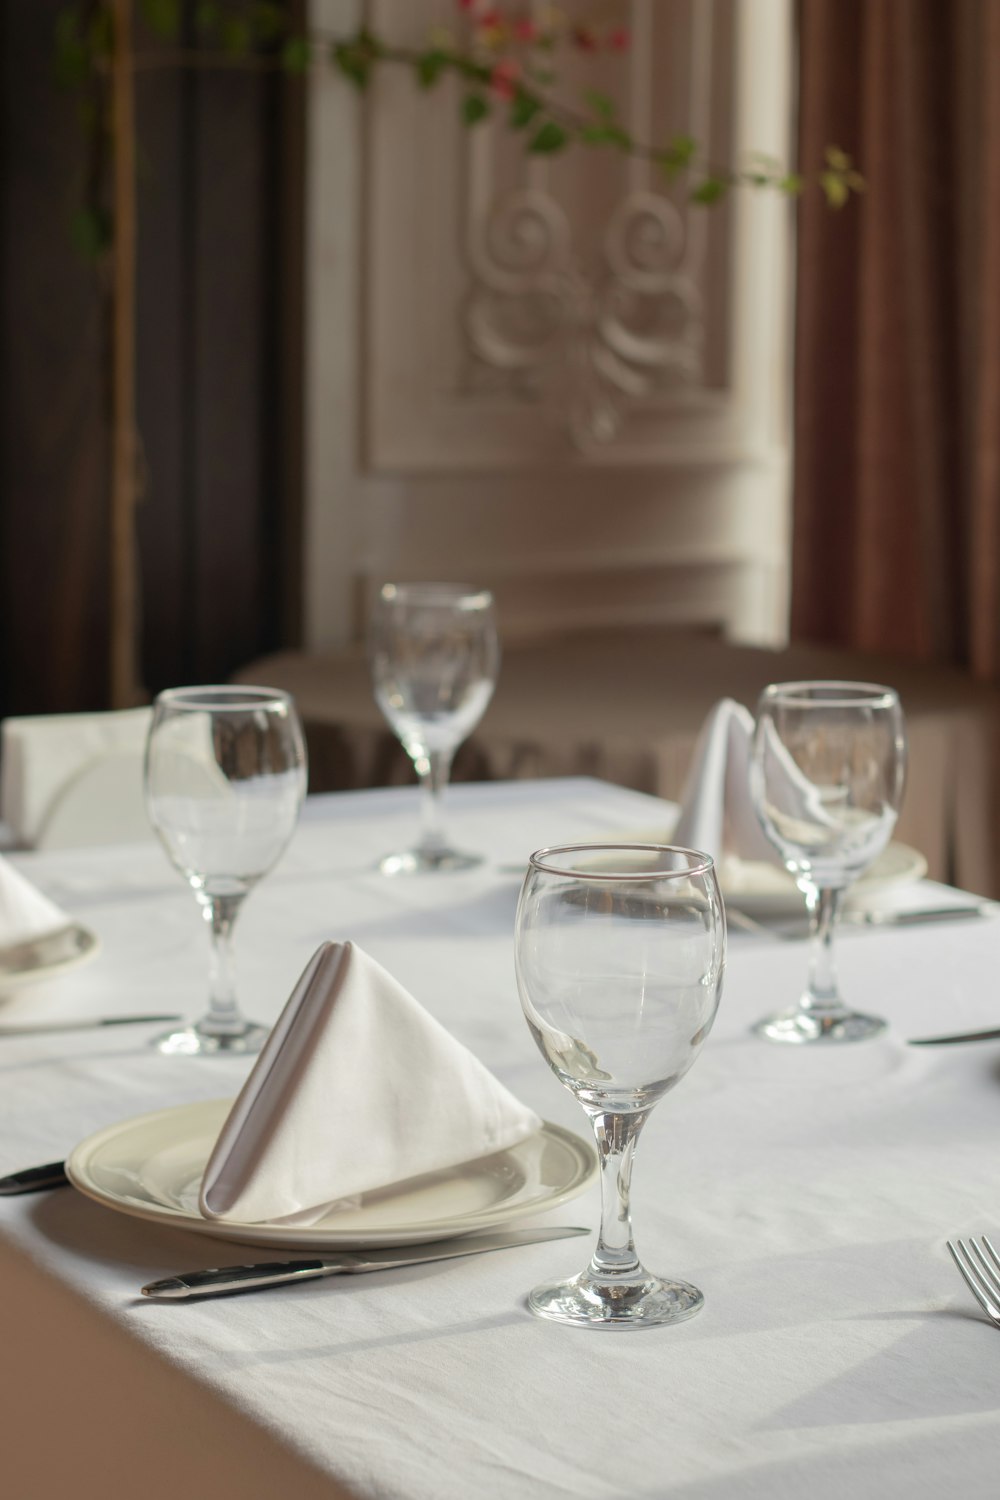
(434, 656)
(620, 952)
(826, 777)
(225, 777)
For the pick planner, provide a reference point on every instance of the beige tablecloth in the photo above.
(627, 705)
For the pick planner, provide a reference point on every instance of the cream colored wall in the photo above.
(442, 443)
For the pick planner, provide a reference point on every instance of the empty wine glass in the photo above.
(225, 778)
(826, 778)
(434, 657)
(620, 952)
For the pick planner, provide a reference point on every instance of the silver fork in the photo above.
(979, 1267)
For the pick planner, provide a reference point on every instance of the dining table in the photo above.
(808, 1191)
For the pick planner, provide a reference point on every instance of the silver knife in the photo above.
(227, 1279)
(86, 1023)
(34, 1179)
(946, 1041)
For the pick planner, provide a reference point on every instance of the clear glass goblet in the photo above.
(620, 952)
(826, 777)
(225, 777)
(434, 656)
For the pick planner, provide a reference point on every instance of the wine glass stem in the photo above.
(223, 1011)
(433, 768)
(823, 993)
(614, 1256)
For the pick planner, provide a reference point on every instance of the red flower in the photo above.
(620, 39)
(525, 30)
(585, 38)
(503, 79)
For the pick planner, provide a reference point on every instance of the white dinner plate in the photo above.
(151, 1167)
(42, 957)
(768, 890)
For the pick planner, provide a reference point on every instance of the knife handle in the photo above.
(221, 1281)
(34, 1179)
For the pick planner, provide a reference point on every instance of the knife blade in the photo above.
(222, 1281)
(34, 1179)
(87, 1023)
(947, 1041)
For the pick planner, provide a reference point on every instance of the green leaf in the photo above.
(236, 36)
(606, 135)
(676, 156)
(268, 20)
(837, 159)
(206, 16)
(430, 66)
(792, 184)
(550, 138)
(352, 62)
(474, 109)
(72, 60)
(835, 188)
(163, 17)
(603, 106)
(296, 54)
(523, 109)
(91, 232)
(101, 32)
(710, 190)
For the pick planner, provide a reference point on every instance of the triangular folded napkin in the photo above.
(357, 1088)
(24, 912)
(717, 815)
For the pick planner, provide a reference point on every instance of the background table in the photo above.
(808, 1194)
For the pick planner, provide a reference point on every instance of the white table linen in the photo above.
(807, 1192)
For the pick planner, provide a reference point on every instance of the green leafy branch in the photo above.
(503, 71)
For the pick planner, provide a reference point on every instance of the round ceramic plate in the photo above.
(42, 957)
(151, 1167)
(768, 890)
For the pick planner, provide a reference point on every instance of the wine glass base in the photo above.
(801, 1027)
(428, 861)
(646, 1302)
(190, 1041)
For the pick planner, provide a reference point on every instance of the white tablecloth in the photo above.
(808, 1194)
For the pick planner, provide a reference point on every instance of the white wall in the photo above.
(553, 377)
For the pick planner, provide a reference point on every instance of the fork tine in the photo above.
(973, 1279)
(988, 1274)
(992, 1253)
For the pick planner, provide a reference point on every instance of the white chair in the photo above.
(67, 780)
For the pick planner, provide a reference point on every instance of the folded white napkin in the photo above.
(357, 1088)
(717, 815)
(44, 755)
(24, 912)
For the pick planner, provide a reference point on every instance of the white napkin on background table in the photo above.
(357, 1088)
(717, 815)
(24, 912)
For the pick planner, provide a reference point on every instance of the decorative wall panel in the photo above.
(569, 380)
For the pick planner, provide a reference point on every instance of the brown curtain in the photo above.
(897, 387)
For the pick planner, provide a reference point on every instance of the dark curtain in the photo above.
(897, 384)
(53, 394)
(217, 378)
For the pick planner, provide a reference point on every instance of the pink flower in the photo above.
(503, 79)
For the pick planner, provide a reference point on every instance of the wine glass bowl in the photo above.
(620, 953)
(225, 774)
(827, 772)
(434, 656)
